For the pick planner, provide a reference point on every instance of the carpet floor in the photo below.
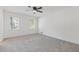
(37, 43)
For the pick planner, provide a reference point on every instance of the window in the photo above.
(14, 23)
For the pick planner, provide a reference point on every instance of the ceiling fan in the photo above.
(36, 9)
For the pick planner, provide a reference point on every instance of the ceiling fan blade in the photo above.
(29, 6)
(40, 11)
(40, 8)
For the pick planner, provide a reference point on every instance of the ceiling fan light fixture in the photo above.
(34, 11)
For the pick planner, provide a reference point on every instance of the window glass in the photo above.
(14, 23)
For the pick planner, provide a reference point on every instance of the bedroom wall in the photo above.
(1, 24)
(62, 24)
(24, 25)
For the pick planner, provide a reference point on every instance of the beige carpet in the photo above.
(37, 43)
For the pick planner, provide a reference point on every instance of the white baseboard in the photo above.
(75, 42)
(17, 36)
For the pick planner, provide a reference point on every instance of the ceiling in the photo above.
(18, 9)
(28, 11)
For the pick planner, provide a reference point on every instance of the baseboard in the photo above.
(18, 36)
(60, 38)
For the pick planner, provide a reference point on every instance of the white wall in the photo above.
(1, 25)
(24, 25)
(62, 24)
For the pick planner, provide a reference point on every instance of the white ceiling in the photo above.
(18, 9)
(28, 11)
